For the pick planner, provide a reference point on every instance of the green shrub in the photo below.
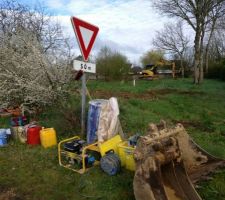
(222, 72)
(112, 65)
(217, 70)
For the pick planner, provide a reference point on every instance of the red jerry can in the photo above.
(33, 135)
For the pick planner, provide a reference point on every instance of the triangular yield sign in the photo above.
(86, 34)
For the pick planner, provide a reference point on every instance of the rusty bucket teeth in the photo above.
(168, 162)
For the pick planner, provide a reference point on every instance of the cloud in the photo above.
(125, 25)
(55, 4)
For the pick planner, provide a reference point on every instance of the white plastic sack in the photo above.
(109, 124)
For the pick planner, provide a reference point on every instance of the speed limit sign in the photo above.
(84, 66)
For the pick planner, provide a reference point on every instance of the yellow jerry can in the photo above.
(48, 137)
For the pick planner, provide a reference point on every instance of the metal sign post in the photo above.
(86, 68)
(86, 34)
(83, 103)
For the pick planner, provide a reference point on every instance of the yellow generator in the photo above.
(75, 154)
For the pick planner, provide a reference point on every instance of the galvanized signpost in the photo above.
(86, 34)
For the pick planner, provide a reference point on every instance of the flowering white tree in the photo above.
(34, 68)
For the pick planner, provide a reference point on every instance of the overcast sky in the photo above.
(127, 26)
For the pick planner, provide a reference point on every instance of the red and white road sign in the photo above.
(86, 34)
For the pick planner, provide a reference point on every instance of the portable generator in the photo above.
(75, 154)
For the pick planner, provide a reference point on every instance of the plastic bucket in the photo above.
(93, 119)
(3, 137)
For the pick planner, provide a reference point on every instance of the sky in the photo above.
(127, 26)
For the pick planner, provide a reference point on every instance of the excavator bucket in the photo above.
(168, 162)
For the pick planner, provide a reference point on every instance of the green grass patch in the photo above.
(35, 174)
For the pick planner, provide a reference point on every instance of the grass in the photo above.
(34, 173)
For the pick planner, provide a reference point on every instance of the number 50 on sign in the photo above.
(84, 66)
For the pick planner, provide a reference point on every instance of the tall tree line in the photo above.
(202, 16)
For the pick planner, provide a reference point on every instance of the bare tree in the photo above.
(172, 40)
(215, 23)
(197, 15)
(216, 50)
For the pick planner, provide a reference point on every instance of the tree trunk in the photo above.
(201, 75)
(207, 46)
(201, 69)
(196, 75)
(206, 61)
(182, 67)
(197, 57)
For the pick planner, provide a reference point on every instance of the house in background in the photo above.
(135, 69)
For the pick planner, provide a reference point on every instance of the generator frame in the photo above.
(100, 147)
(75, 156)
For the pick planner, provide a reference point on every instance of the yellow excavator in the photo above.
(149, 73)
(160, 68)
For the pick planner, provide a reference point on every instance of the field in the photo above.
(33, 173)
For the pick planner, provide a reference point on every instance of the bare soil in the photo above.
(194, 124)
(9, 194)
(151, 94)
